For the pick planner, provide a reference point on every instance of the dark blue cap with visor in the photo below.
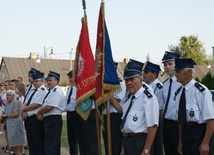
(133, 68)
(149, 66)
(184, 63)
(38, 76)
(168, 56)
(52, 74)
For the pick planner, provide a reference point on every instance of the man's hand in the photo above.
(204, 149)
(179, 148)
(40, 117)
(24, 115)
(122, 151)
(4, 115)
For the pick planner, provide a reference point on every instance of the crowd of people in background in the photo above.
(147, 117)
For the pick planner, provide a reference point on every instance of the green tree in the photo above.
(191, 47)
(197, 79)
(208, 81)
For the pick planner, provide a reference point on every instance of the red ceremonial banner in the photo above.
(83, 76)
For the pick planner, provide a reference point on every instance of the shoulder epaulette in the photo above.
(165, 80)
(43, 88)
(177, 91)
(199, 86)
(144, 86)
(54, 89)
(159, 85)
(147, 93)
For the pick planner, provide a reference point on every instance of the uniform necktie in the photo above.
(69, 96)
(46, 96)
(182, 116)
(27, 93)
(29, 100)
(168, 97)
(125, 116)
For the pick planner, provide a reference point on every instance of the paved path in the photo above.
(64, 151)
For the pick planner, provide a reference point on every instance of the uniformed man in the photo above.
(88, 136)
(30, 88)
(73, 119)
(34, 127)
(51, 114)
(170, 124)
(150, 76)
(115, 119)
(140, 113)
(195, 111)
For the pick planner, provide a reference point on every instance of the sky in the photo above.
(136, 27)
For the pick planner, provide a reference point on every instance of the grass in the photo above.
(64, 138)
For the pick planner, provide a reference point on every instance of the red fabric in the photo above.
(85, 78)
(99, 55)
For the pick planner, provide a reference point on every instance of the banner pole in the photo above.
(98, 131)
(109, 128)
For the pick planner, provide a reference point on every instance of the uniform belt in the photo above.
(130, 134)
(191, 123)
(169, 120)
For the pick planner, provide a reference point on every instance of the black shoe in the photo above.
(3, 148)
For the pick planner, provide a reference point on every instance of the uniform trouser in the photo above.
(212, 145)
(158, 141)
(170, 137)
(134, 145)
(88, 139)
(192, 136)
(53, 128)
(35, 135)
(116, 134)
(73, 129)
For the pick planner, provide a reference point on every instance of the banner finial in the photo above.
(84, 4)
